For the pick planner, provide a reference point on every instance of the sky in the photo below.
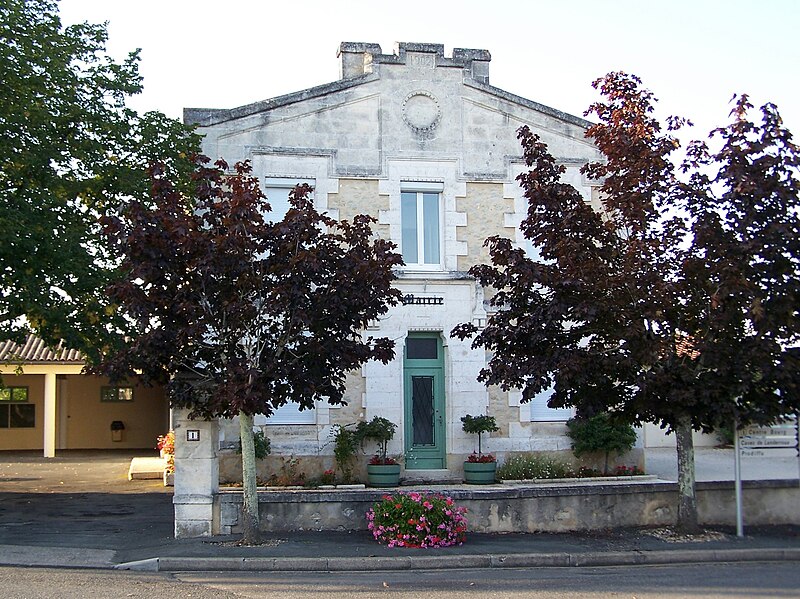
(694, 55)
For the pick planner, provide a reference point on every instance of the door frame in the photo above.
(422, 457)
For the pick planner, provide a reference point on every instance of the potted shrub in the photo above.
(382, 470)
(480, 468)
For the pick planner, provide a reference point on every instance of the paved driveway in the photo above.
(80, 499)
(73, 471)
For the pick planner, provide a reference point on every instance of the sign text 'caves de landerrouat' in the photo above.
(776, 441)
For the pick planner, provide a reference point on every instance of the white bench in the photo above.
(143, 468)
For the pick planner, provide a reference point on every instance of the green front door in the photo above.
(423, 383)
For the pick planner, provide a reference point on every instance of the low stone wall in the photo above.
(526, 508)
(311, 466)
(764, 502)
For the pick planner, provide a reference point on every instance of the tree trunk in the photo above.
(687, 498)
(250, 520)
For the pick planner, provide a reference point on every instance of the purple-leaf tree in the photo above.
(672, 300)
(239, 315)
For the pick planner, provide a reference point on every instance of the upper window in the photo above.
(116, 394)
(277, 190)
(14, 394)
(290, 413)
(422, 348)
(541, 412)
(15, 411)
(420, 209)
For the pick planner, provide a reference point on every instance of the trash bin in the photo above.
(117, 426)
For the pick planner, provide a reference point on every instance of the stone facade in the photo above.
(423, 141)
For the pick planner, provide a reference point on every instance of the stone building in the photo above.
(426, 145)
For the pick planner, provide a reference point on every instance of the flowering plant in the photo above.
(485, 458)
(328, 477)
(166, 445)
(378, 460)
(417, 520)
(627, 471)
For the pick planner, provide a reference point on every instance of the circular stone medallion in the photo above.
(421, 111)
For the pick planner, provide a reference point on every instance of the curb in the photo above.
(516, 560)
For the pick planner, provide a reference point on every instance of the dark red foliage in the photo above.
(708, 260)
(377, 460)
(239, 314)
(676, 300)
(482, 458)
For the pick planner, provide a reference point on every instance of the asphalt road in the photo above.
(709, 581)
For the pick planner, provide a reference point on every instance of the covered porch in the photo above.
(48, 404)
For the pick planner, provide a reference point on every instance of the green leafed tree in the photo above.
(673, 301)
(239, 315)
(599, 433)
(70, 150)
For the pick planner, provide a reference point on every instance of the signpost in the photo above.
(754, 441)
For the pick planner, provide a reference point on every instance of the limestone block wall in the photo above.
(529, 508)
(654, 436)
(486, 210)
(412, 117)
(360, 196)
(384, 387)
(309, 445)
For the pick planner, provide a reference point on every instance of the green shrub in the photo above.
(290, 475)
(725, 435)
(261, 444)
(381, 431)
(477, 425)
(528, 466)
(602, 434)
(345, 446)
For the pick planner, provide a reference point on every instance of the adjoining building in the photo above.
(426, 145)
(47, 404)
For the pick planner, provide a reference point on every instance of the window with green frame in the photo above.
(116, 394)
(15, 411)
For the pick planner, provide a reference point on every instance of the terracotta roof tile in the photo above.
(36, 351)
(685, 346)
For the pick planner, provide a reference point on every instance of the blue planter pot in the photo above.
(380, 475)
(479, 473)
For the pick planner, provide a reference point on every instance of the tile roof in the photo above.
(685, 346)
(36, 351)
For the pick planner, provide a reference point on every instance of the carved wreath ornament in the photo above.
(421, 111)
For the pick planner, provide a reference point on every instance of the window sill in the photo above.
(411, 273)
